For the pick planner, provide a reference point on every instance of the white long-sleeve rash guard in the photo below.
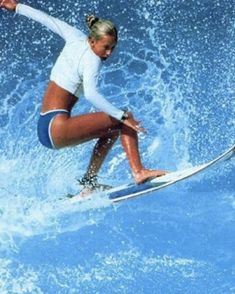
(77, 67)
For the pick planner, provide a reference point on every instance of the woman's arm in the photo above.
(91, 70)
(57, 26)
(91, 92)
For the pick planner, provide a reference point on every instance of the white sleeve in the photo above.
(57, 26)
(90, 81)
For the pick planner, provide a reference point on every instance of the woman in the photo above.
(75, 71)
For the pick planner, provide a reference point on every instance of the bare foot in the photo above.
(86, 191)
(146, 174)
(89, 190)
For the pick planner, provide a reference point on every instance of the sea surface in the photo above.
(174, 68)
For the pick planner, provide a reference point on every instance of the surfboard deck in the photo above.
(129, 191)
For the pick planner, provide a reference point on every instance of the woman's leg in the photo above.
(101, 149)
(67, 131)
(129, 140)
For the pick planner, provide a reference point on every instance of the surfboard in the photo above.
(130, 191)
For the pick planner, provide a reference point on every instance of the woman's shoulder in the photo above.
(76, 35)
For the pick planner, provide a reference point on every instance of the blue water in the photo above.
(174, 67)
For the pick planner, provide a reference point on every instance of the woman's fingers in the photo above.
(140, 129)
(135, 125)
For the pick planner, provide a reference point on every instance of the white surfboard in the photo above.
(129, 191)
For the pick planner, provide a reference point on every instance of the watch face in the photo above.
(125, 116)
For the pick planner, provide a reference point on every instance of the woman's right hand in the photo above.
(8, 4)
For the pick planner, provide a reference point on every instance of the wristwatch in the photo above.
(124, 116)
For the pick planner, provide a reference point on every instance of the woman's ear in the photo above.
(91, 41)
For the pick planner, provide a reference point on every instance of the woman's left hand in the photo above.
(134, 124)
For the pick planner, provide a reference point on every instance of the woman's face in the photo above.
(103, 47)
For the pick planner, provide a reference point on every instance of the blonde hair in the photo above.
(100, 27)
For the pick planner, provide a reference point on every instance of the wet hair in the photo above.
(100, 27)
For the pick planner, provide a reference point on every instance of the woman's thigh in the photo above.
(67, 131)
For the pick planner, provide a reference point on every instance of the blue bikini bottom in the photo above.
(44, 127)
